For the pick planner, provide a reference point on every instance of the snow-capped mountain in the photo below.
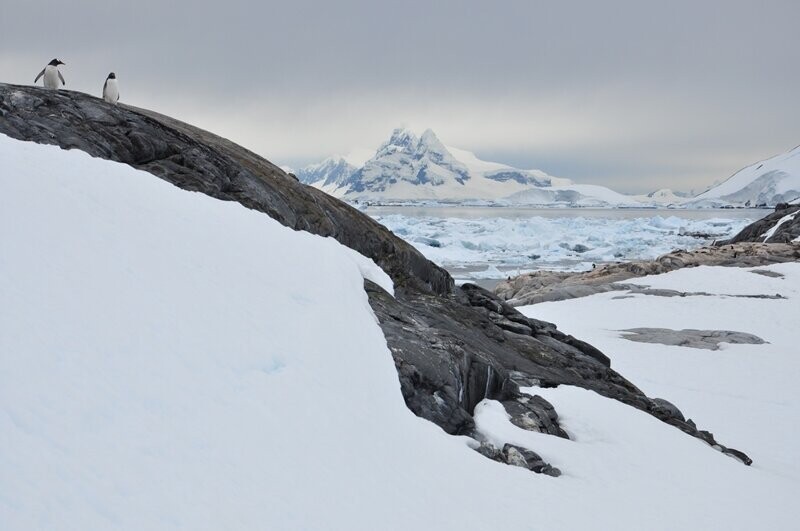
(330, 173)
(769, 182)
(411, 168)
(402, 164)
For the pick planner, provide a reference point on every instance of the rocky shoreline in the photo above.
(544, 286)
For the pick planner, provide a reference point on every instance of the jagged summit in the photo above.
(404, 162)
(401, 140)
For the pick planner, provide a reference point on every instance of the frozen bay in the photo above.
(480, 243)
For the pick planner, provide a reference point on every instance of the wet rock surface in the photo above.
(452, 346)
(544, 286)
(705, 339)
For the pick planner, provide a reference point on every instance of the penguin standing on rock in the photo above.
(111, 89)
(51, 75)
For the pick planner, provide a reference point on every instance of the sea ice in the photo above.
(493, 247)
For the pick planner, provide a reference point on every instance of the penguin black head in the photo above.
(56, 62)
(112, 75)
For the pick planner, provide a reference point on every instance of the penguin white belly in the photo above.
(111, 91)
(51, 80)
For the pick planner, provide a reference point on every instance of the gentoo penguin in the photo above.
(51, 75)
(110, 89)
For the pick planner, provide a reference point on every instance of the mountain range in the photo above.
(411, 168)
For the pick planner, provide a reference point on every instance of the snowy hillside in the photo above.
(171, 361)
(768, 182)
(411, 168)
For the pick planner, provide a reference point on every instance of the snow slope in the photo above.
(768, 182)
(170, 361)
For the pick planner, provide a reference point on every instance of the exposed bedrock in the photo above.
(780, 226)
(452, 346)
(691, 338)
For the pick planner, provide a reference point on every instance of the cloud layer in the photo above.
(635, 95)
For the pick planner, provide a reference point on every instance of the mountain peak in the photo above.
(403, 138)
(430, 141)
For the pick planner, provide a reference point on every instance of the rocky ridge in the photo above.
(452, 346)
(544, 286)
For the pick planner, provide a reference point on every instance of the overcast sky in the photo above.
(635, 95)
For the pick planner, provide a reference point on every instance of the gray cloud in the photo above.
(636, 95)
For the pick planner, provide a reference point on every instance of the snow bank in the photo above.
(169, 361)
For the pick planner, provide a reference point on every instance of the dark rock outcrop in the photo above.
(759, 231)
(452, 346)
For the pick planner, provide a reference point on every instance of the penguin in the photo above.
(51, 75)
(110, 89)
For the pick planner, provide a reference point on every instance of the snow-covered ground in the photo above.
(494, 247)
(746, 394)
(169, 361)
